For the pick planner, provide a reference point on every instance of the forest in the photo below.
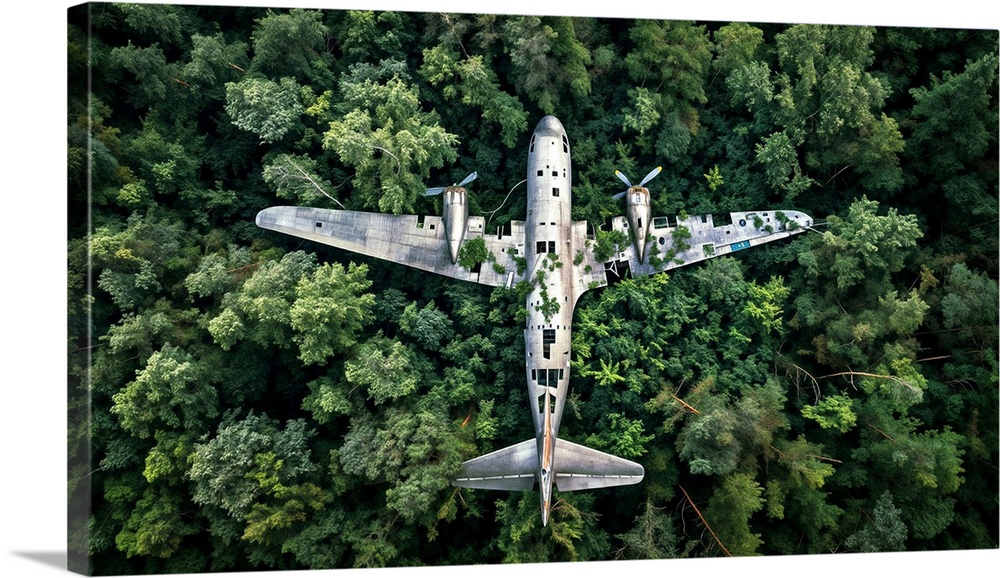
(242, 400)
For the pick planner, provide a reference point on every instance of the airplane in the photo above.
(557, 257)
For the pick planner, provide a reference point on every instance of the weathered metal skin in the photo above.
(639, 213)
(455, 216)
(549, 251)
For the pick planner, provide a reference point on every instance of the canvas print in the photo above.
(355, 289)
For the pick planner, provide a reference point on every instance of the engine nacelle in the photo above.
(455, 216)
(639, 214)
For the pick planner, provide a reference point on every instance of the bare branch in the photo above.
(702, 518)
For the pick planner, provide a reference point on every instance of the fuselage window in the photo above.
(539, 246)
(548, 338)
(541, 404)
(555, 173)
(541, 172)
(555, 191)
(552, 246)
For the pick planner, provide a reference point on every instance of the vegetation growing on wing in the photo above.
(259, 403)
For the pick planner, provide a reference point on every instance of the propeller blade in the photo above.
(434, 191)
(623, 178)
(469, 179)
(650, 176)
(619, 195)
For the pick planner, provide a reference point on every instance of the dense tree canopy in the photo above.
(260, 402)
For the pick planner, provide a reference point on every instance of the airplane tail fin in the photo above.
(577, 467)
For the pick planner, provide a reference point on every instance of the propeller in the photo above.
(649, 176)
(438, 190)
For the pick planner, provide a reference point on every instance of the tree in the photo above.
(826, 108)
(148, 65)
(668, 64)
(250, 470)
(652, 536)
(155, 526)
(953, 122)
(287, 43)
(886, 532)
(218, 274)
(430, 326)
(389, 141)
(259, 311)
(857, 306)
(476, 85)
(384, 368)
(330, 309)
(214, 62)
(547, 59)
(736, 44)
(412, 448)
(729, 510)
(265, 107)
(172, 391)
(296, 177)
(570, 535)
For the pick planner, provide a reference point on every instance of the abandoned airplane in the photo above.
(557, 257)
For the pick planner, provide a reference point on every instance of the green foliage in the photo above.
(430, 326)
(476, 85)
(570, 535)
(222, 468)
(836, 391)
(729, 511)
(156, 526)
(548, 61)
(172, 391)
(287, 42)
(472, 253)
(391, 144)
(265, 107)
(608, 244)
(651, 537)
(383, 368)
(296, 178)
(833, 412)
(886, 532)
(330, 310)
(260, 310)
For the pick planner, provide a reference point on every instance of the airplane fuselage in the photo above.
(549, 251)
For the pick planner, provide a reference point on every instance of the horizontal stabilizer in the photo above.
(512, 468)
(582, 468)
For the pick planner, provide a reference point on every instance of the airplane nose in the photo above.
(549, 126)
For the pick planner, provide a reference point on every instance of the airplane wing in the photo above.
(673, 243)
(415, 240)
